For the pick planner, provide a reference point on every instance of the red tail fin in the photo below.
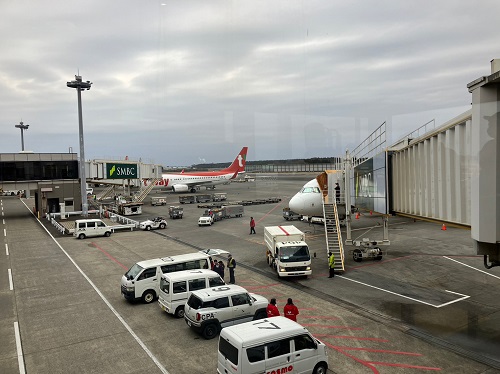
(238, 165)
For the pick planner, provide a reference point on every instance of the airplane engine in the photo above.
(180, 188)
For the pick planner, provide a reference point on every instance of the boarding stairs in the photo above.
(108, 191)
(333, 235)
(143, 193)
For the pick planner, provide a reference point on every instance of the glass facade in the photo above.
(23, 171)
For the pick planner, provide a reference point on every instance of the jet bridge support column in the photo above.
(485, 155)
(347, 194)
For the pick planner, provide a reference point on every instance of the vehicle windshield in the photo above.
(164, 285)
(294, 253)
(133, 271)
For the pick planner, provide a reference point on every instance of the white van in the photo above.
(270, 345)
(142, 281)
(90, 227)
(175, 288)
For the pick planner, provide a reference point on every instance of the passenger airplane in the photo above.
(308, 201)
(190, 181)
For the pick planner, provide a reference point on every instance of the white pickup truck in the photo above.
(155, 223)
(205, 220)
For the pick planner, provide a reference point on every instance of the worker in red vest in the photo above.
(290, 310)
(272, 309)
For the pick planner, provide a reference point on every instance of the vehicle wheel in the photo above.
(210, 331)
(107, 234)
(148, 228)
(179, 312)
(260, 315)
(320, 368)
(81, 236)
(148, 296)
(357, 255)
(162, 226)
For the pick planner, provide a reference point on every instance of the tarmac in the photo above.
(428, 305)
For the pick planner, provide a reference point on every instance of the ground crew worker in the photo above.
(331, 264)
(272, 309)
(290, 310)
(252, 226)
(231, 265)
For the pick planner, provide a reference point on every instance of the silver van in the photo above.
(90, 227)
(175, 288)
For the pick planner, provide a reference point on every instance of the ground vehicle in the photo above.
(175, 288)
(175, 212)
(233, 210)
(158, 200)
(90, 227)
(287, 251)
(203, 198)
(187, 199)
(10, 193)
(206, 220)
(366, 249)
(154, 223)
(290, 215)
(208, 311)
(142, 280)
(285, 347)
(219, 196)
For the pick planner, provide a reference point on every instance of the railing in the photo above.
(58, 227)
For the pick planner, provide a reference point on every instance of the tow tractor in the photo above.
(366, 249)
(155, 223)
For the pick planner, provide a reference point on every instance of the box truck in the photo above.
(287, 252)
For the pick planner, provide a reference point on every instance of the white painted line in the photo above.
(4, 232)
(407, 297)
(472, 267)
(11, 284)
(120, 318)
(3, 220)
(6, 249)
(19, 347)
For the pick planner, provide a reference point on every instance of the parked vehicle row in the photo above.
(249, 341)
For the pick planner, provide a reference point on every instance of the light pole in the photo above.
(23, 127)
(80, 86)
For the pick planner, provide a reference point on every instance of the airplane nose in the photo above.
(296, 203)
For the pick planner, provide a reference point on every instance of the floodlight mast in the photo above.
(23, 127)
(80, 86)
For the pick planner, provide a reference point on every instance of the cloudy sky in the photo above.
(180, 81)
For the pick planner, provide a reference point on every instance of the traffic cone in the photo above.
(443, 227)
(357, 215)
(370, 212)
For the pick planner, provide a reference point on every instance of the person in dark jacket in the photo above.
(290, 310)
(272, 309)
(220, 269)
(231, 265)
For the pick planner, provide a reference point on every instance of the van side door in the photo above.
(279, 357)
(305, 353)
(91, 229)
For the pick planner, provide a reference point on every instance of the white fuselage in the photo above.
(308, 201)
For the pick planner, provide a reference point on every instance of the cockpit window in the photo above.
(310, 190)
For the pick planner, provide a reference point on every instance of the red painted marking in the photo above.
(265, 215)
(320, 317)
(109, 256)
(351, 337)
(331, 327)
(403, 365)
(263, 286)
(378, 351)
(308, 308)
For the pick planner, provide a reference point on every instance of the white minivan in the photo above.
(142, 280)
(175, 288)
(90, 227)
(270, 345)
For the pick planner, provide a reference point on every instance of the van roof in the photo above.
(172, 259)
(89, 220)
(229, 289)
(261, 331)
(189, 274)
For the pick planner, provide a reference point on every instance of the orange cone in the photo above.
(370, 212)
(443, 227)
(357, 215)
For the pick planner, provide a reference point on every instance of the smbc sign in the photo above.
(121, 171)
